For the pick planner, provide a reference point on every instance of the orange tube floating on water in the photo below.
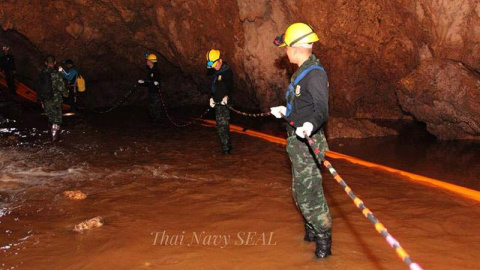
(462, 191)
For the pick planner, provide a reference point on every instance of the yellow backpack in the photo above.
(81, 84)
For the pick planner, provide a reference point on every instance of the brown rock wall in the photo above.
(367, 47)
(355, 128)
(445, 95)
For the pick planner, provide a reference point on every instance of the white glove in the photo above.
(212, 103)
(306, 128)
(224, 100)
(141, 81)
(60, 69)
(278, 111)
(156, 83)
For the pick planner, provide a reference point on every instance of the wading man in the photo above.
(49, 92)
(152, 81)
(70, 73)
(222, 86)
(307, 112)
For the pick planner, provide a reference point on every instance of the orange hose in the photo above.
(462, 191)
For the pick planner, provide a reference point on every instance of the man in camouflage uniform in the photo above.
(222, 86)
(307, 112)
(53, 105)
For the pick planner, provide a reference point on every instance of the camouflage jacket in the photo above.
(58, 84)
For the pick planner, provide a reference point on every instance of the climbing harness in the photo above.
(360, 205)
(290, 94)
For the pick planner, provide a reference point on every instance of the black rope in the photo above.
(119, 102)
(170, 118)
(262, 114)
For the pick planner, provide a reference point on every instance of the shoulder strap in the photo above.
(289, 95)
(305, 72)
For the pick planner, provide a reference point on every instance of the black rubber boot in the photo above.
(55, 132)
(309, 233)
(323, 247)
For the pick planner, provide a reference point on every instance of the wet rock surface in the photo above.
(74, 194)
(352, 128)
(89, 224)
(445, 95)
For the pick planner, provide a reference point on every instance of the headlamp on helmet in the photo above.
(212, 58)
(297, 35)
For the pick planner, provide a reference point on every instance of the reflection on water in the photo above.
(415, 150)
(453, 162)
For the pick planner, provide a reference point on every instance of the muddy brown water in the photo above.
(414, 150)
(170, 200)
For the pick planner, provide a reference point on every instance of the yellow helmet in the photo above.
(296, 34)
(5, 48)
(152, 57)
(212, 58)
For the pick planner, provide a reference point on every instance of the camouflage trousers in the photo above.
(154, 105)
(222, 118)
(53, 109)
(307, 183)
